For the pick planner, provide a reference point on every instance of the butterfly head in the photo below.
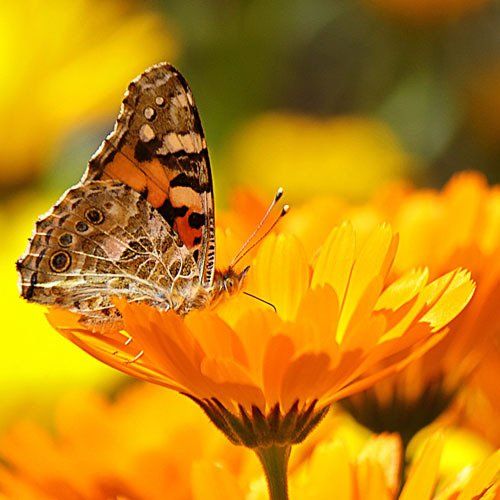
(231, 281)
(228, 282)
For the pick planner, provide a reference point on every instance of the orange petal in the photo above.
(371, 482)
(254, 329)
(280, 274)
(317, 482)
(361, 379)
(279, 352)
(362, 313)
(403, 289)
(483, 478)
(231, 382)
(424, 472)
(317, 319)
(215, 337)
(335, 260)
(458, 291)
(210, 481)
(373, 261)
(304, 379)
(385, 450)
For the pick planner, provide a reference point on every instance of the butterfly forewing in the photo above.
(158, 148)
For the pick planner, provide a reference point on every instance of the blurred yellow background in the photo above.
(319, 96)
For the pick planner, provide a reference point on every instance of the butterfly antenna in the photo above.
(242, 250)
(240, 255)
(261, 300)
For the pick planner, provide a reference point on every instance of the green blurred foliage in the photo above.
(327, 57)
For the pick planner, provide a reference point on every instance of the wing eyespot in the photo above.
(81, 227)
(65, 239)
(94, 216)
(60, 261)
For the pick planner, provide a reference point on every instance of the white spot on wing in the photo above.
(172, 143)
(162, 81)
(146, 133)
(149, 113)
(182, 99)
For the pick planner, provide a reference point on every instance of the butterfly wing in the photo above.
(158, 148)
(103, 240)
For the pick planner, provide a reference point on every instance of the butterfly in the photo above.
(140, 224)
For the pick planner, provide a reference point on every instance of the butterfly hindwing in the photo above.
(158, 148)
(103, 240)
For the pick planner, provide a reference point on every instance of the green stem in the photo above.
(274, 460)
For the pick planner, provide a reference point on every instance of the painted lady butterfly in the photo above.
(140, 224)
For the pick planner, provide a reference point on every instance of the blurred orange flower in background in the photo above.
(142, 445)
(66, 62)
(333, 470)
(317, 151)
(430, 234)
(150, 443)
(479, 406)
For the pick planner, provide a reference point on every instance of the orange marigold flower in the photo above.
(479, 404)
(479, 481)
(150, 443)
(458, 226)
(333, 470)
(267, 378)
(140, 445)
